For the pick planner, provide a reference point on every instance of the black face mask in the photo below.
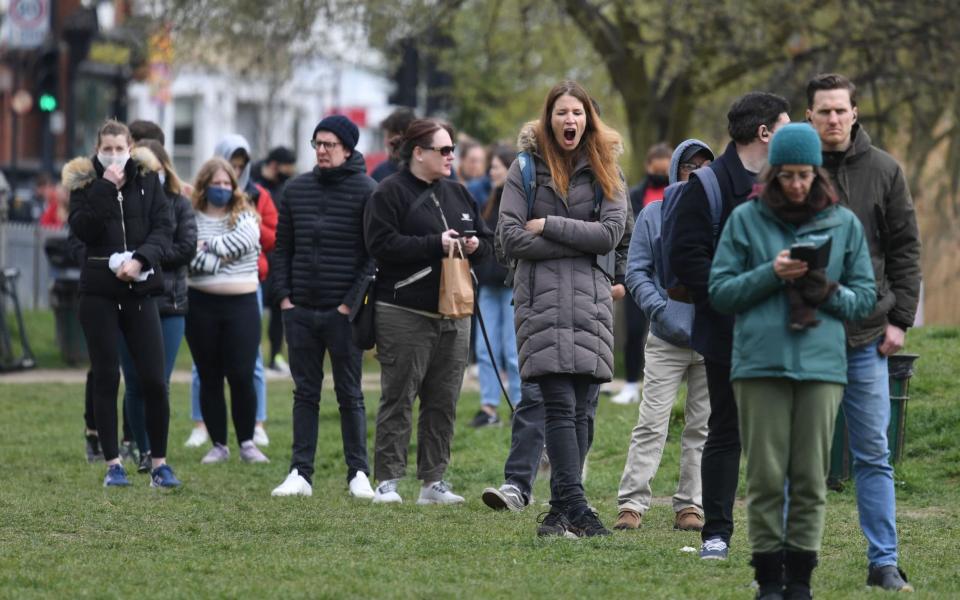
(657, 180)
(282, 177)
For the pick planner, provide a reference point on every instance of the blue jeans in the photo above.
(172, 329)
(259, 381)
(866, 407)
(497, 312)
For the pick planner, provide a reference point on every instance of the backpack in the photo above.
(663, 247)
(529, 177)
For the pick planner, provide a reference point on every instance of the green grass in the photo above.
(222, 535)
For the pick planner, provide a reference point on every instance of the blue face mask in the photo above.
(219, 196)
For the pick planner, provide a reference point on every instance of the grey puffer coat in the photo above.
(563, 310)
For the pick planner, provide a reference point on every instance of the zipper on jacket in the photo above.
(532, 280)
(123, 227)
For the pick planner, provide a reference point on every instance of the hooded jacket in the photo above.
(871, 184)
(107, 220)
(670, 320)
(259, 197)
(742, 282)
(320, 258)
(562, 304)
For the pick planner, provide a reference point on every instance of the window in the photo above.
(184, 148)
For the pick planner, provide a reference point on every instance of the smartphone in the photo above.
(469, 233)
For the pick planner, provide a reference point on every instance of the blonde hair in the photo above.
(238, 204)
(600, 143)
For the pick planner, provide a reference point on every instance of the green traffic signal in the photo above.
(47, 103)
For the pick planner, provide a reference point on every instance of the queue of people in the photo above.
(774, 278)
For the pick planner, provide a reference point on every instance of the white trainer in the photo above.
(438, 492)
(360, 486)
(387, 493)
(198, 437)
(293, 485)
(260, 436)
(630, 394)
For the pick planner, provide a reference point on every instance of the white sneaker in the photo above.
(293, 485)
(198, 437)
(438, 492)
(280, 365)
(260, 436)
(630, 394)
(360, 486)
(387, 493)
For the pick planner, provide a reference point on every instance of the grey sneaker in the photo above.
(218, 454)
(507, 497)
(714, 549)
(888, 577)
(251, 454)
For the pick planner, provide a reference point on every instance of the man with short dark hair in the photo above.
(871, 184)
(321, 262)
(274, 170)
(751, 122)
(393, 127)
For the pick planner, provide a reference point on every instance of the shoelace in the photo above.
(387, 486)
(714, 544)
(442, 487)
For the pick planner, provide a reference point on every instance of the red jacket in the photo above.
(268, 228)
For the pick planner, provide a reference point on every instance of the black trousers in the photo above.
(311, 333)
(223, 333)
(637, 326)
(104, 319)
(566, 401)
(527, 439)
(720, 464)
(275, 332)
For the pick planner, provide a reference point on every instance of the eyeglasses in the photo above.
(787, 177)
(443, 150)
(691, 166)
(328, 146)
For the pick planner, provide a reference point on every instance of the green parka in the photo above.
(742, 282)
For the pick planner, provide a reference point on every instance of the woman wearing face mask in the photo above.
(411, 221)
(223, 325)
(562, 294)
(172, 304)
(119, 211)
(789, 349)
(495, 301)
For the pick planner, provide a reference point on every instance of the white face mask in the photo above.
(118, 159)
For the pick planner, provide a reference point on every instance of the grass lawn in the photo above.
(222, 535)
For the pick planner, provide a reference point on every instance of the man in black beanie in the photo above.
(320, 262)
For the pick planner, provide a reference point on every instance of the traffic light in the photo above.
(47, 79)
(407, 76)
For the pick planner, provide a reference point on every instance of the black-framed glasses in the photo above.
(443, 150)
(691, 166)
(328, 146)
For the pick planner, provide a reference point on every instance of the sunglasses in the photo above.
(443, 150)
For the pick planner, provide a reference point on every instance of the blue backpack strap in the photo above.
(527, 172)
(711, 186)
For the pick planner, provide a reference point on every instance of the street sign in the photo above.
(22, 102)
(26, 25)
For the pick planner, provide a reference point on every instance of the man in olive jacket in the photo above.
(872, 184)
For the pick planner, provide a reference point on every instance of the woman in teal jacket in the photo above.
(789, 353)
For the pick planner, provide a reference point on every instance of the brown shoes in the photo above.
(628, 519)
(688, 519)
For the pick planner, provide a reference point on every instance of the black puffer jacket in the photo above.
(405, 239)
(182, 251)
(101, 222)
(320, 257)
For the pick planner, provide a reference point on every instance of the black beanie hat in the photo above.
(341, 127)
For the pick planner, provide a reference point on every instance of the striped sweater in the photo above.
(230, 255)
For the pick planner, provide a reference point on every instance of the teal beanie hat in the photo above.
(795, 144)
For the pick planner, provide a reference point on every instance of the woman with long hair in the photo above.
(789, 348)
(172, 304)
(562, 285)
(223, 325)
(495, 302)
(412, 220)
(120, 213)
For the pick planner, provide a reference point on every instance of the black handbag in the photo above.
(362, 315)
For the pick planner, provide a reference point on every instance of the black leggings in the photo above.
(104, 319)
(223, 333)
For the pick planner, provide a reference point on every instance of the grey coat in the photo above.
(563, 310)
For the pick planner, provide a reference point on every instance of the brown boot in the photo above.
(628, 519)
(688, 519)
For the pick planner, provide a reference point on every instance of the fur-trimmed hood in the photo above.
(527, 140)
(80, 172)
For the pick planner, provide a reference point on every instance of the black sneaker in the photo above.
(554, 524)
(888, 577)
(146, 463)
(484, 419)
(94, 452)
(587, 524)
